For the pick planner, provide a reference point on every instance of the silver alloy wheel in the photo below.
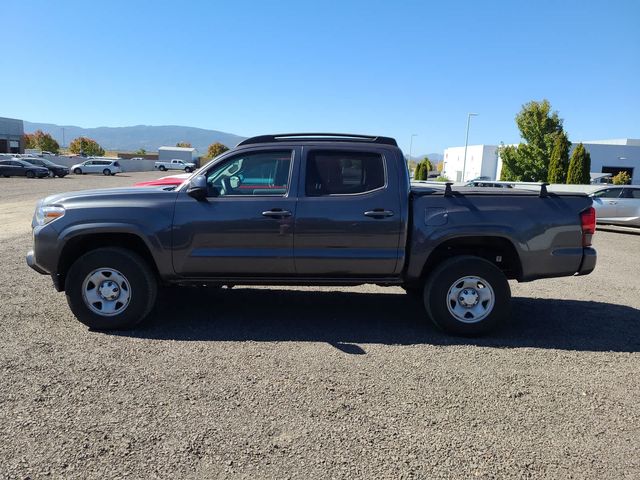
(106, 292)
(470, 299)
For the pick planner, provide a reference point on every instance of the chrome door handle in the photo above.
(277, 213)
(378, 213)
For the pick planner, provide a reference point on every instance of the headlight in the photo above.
(47, 213)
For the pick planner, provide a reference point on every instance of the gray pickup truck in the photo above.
(310, 209)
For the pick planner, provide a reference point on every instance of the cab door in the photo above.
(245, 226)
(349, 219)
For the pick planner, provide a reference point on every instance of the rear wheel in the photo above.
(467, 296)
(30, 174)
(77, 171)
(110, 288)
(106, 171)
(162, 168)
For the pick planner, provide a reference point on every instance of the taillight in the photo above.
(588, 221)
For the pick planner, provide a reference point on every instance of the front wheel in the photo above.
(188, 170)
(106, 172)
(77, 171)
(110, 288)
(468, 296)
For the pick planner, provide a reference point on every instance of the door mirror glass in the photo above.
(197, 188)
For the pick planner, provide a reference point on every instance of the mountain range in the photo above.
(151, 137)
(133, 138)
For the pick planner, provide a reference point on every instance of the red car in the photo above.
(169, 181)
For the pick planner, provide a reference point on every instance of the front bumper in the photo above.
(31, 261)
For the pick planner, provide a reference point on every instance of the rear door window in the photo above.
(335, 172)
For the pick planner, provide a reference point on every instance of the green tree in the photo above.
(41, 141)
(183, 144)
(423, 169)
(417, 173)
(559, 162)
(86, 146)
(140, 151)
(539, 127)
(579, 166)
(216, 149)
(622, 178)
(428, 163)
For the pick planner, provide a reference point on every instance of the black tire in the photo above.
(30, 174)
(106, 172)
(446, 278)
(139, 276)
(62, 175)
(162, 168)
(188, 170)
(77, 171)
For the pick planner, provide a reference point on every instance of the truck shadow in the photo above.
(347, 318)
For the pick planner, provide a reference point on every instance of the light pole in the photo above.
(411, 147)
(466, 141)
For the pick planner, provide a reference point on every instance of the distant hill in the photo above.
(434, 157)
(139, 136)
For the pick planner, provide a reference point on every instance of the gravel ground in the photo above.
(317, 382)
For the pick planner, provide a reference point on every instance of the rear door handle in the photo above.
(378, 213)
(277, 213)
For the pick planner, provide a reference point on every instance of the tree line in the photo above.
(86, 146)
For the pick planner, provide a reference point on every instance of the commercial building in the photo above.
(482, 161)
(166, 154)
(11, 135)
(607, 156)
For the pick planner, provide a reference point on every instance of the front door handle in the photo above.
(378, 213)
(277, 213)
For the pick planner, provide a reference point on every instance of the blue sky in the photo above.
(389, 68)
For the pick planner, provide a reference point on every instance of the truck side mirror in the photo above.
(197, 188)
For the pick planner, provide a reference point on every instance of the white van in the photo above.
(94, 165)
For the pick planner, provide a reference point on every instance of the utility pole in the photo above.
(466, 141)
(411, 147)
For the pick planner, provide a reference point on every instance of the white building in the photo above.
(482, 161)
(607, 156)
(166, 154)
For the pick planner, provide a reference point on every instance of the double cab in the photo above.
(310, 209)
(175, 164)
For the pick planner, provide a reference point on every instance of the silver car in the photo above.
(96, 165)
(618, 205)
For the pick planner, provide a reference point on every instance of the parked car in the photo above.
(54, 169)
(169, 181)
(94, 165)
(618, 205)
(310, 209)
(16, 167)
(175, 164)
(488, 183)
